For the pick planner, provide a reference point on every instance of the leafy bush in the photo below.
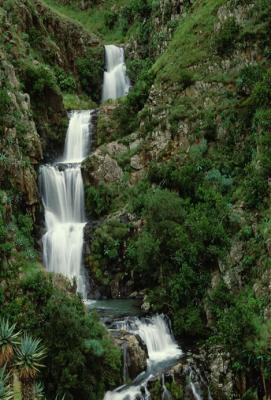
(107, 247)
(185, 78)
(248, 77)
(39, 79)
(261, 94)
(5, 106)
(236, 325)
(90, 70)
(99, 199)
(137, 67)
(65, 81)
(126, 113)
(5, 101)
(226, 37)
(110, 19)
(83, 365)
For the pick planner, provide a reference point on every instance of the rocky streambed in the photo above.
(154, 365)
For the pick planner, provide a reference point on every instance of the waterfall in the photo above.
(63, 199)
(116, 82)
(156, 335)
(78, 137)
(162, 350)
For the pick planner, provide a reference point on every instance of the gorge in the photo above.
(63, 199)
(135, 200)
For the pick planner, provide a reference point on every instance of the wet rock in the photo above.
(136, 353)
(146, 306)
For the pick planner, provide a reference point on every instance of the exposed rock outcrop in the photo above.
(101, 167)
(135, 352)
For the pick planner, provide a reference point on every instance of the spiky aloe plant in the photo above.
(9, 339)
(29, 355)
(39, 391)
(6, 392)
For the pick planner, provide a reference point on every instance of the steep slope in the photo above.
(183, 215)
(42, 60)
(177, 190)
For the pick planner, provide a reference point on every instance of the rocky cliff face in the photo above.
(38, 55)
(44, 49)
(205, 105)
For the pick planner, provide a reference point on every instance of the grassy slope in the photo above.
(192, 41)
(93, 20)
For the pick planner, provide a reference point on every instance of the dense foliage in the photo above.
(191, 228)
(86, 361)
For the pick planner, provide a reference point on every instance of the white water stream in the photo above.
(162, 350)
(63, 199)
(116, 82)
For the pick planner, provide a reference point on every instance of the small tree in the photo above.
(28, 362)
(6, 392)
(9, 339)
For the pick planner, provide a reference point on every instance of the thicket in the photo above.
(192, 209)
(86, 363)
(90, 70)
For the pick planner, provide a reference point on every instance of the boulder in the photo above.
(136, 162)
(135, 352)
(115, 149)
(101, 167)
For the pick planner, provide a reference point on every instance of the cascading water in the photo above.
(63, 199)
(156, 335)
(116, 82)
(163, 351)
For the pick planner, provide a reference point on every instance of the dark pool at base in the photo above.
(115, 308)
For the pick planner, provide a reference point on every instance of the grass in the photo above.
(92, 19)
(192, 42)
(75, 102)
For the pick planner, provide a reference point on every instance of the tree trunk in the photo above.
(27, 390)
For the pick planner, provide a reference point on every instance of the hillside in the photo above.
(177, 187)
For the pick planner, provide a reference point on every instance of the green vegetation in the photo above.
(226, 37)
(19, 355)
(6, 392)
(90, 69)
(198, 236)
(192, 228)
(112, 20)
(194, 36)
(71, 365)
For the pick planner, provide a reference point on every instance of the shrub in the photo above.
(185, 78)
(65, 81)
(90, 70)
(5, 101)
(99, 199)
(137, 67)
(261, 94)
(126, 113)
(108, 243)
(86, 363)
(248, 77)
(5, 106)
(38, 79)
(226, 37)
(256, 188)
(236, 326)
(110, 19)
